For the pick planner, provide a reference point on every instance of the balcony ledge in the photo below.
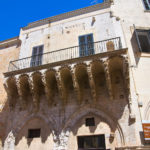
(70, 61)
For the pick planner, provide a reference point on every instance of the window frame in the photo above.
(100, 137)
(36, 59)
(90, 122)
(137, 33)
(148, 3)
(86, 44)
(31, 135)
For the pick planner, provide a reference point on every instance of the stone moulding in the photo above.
(67, 62)
(70, 14)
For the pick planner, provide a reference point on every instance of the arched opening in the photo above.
(51, 87)
(12, 91)
(83, 82)
(67, 83)
(99, 79)
(117, 78)
(35, 134)
(105, 128)
(25, 91)
(38, 88)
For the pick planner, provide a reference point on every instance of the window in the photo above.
(86, 45)
(34, 133)
(143, 39)
(37, 54)
(96, 142)
(90, 122)
(147, 4)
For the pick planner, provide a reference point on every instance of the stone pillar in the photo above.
(9, 143)
(61, 140)
(0, 144)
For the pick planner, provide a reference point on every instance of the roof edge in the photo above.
(9, 41)
(99, 6)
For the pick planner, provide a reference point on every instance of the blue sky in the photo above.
(15, 14)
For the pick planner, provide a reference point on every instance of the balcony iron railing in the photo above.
(66, 54)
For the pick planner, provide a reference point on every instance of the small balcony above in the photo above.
(100, 69)
(84, 51)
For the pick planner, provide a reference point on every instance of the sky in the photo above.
(15, 14)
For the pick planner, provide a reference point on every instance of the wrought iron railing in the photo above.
(66, 54)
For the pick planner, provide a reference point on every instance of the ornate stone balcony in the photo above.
(104, 73)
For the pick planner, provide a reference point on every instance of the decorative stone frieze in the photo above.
(95, 75)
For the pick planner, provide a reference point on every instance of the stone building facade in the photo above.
(78, 80)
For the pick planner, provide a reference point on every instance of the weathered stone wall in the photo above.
(8, 51)
(133, 13)
(65, 33)
(7, 54)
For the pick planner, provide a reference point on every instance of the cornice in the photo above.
(9, 42)
(70, 14)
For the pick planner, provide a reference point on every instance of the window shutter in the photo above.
(147, 4)
(90, 38)
(35, 51)
(137, 39)
(40, 50)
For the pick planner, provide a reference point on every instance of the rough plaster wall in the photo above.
(45, 141)
(56, 118)
(132, 12)
(6, 55)
(67, 33)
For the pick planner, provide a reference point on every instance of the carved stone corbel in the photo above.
(76, 84)
(108, 77)
(92, 83)
(60, 87)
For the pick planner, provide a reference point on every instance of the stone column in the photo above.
(0, 144)
(61, 140)
(9, 143)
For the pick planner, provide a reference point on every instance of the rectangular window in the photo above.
(96, 142)
(37, 54)
(143, 39)
(34, 133)
(86, 45)
(147, 4)
(90, 122)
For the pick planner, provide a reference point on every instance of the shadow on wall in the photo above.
(104, 124)
(35, 123)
